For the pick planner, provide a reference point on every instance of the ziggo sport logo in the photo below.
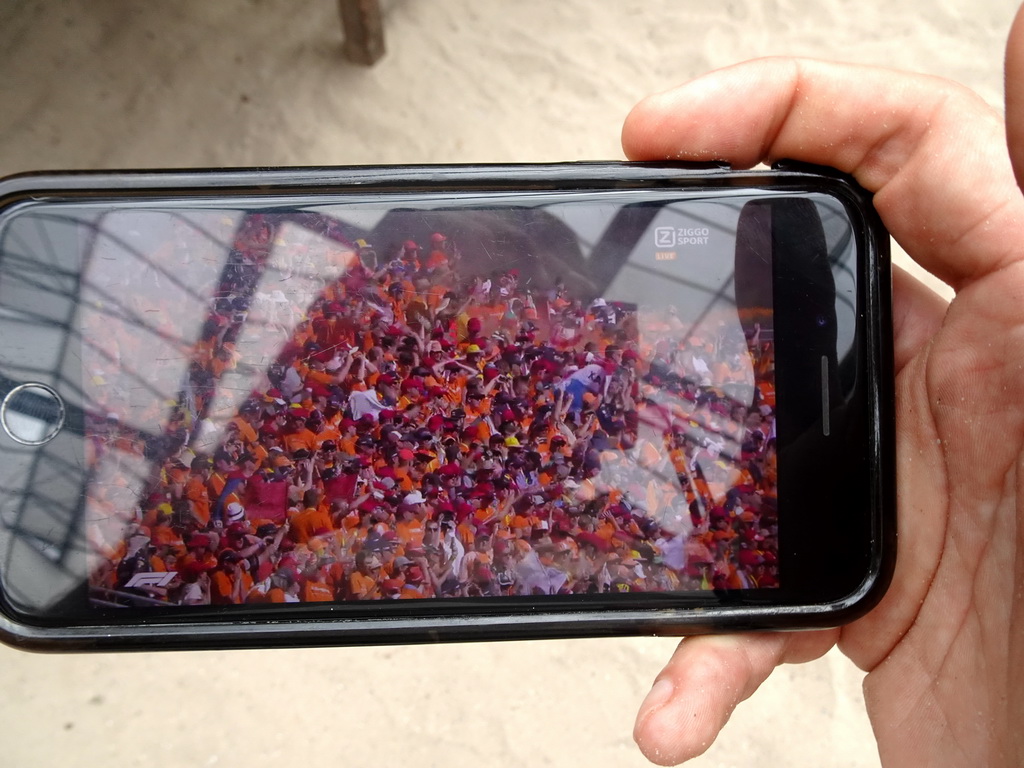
(670, 237)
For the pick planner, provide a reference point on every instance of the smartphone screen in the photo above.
(470, 397)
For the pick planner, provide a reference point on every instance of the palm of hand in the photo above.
(939, 647)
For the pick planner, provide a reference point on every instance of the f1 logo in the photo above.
(664, 237)
(152, 579)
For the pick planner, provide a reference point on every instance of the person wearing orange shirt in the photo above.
(224, 359)
(349, 435)
(722, 531)
(438, 258)
(330, 328)
(317, 373)
(200, 555)
(411, 394)
(311, 520)
(416, 584)
(417, 311)
(364, 580)
(476, 565)
(454, 377)
(559, 300)
(327, 432)
(223, 467)
(398, 295)
(196, 490)
(230, 582)
(247, 422)
(476, 407)
(281, 587)
(554, 444)
(317, 589)
(302, 435)
(410, 528)
(435, 298)
(409, 256)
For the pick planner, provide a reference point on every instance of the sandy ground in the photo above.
(116, 84)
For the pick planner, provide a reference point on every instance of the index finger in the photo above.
(910, 139)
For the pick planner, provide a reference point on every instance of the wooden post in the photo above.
(363, 27)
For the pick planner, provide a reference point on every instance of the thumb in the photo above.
(705, 679)
(1015, 95)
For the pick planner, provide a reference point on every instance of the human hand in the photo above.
(944, 650)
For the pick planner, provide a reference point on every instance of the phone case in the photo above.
(60, 478)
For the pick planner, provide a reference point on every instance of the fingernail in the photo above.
(657, 696)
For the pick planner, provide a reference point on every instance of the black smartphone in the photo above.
(389, 405)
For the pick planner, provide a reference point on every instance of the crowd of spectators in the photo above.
(429, 433)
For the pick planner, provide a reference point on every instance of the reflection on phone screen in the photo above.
(355, 402)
